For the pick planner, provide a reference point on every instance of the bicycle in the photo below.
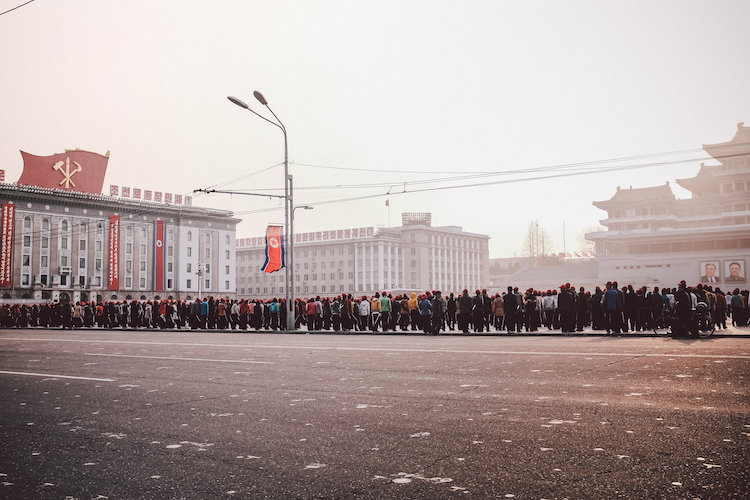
(701, 325)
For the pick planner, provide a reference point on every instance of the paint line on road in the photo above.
(172, 358)
(548, 353)
(49, 375)
(386, 349)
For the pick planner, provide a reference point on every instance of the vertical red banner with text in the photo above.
(114, 252)
(6, 245)
(158, 280)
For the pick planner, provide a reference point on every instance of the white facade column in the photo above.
(465, 267)
(389, 267)
(474, 276)
(477, 268)
(356, 269)
(398, 267)
(454, 270)
(380, 266)
(459, 264)
(371, 248)
(439, 264)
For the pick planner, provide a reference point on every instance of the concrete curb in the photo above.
(728, 333)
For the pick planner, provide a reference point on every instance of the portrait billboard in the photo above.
(734, 271)
(710, 271)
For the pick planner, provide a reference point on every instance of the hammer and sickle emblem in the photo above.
(67, 173)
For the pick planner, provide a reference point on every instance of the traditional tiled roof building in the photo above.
(653, 237)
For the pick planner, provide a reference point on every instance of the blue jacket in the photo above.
(425, 307)
(610, 300)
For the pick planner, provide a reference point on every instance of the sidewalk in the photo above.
(731, 332)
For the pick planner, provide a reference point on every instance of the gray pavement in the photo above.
(182, 414)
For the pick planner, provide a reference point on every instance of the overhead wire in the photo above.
(16, 7)
(504, 181)
(564, 165)
(484, 174)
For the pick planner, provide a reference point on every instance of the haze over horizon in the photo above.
(398, 101)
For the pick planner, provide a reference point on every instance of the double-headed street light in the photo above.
(288, 207)
(291, 243)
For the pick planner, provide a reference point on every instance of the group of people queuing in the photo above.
(614, 309)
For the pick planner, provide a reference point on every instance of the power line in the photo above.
(245, 176)
(16, 7)
(565, 165)
(504, 181)
(476, 175)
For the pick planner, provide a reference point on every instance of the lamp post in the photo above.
(291, 250)
(288, 204)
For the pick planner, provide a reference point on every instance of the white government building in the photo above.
(413, 257)
(65, 244)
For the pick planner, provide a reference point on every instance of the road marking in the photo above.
(171, 358)
(385, 349)
(48, 375)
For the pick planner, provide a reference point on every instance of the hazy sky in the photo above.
(380, 96)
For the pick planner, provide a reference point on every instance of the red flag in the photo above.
(73, 170)
(158, 255)
(387, 203)
(274, 250)
(114, 252)
(6, 244)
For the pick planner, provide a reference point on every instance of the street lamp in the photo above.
(288, 203)
(291, 245)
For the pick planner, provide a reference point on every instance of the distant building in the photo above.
(60, 239)
(654, 238)
(414, 256)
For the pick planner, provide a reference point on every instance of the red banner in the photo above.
(72, 170)
(158, 280)
(274, 250)
(6, 246)
(114, 252)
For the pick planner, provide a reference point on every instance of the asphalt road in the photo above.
(108, 414)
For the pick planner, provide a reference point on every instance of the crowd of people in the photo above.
(614, 309)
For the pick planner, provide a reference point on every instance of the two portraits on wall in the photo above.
(723, 271)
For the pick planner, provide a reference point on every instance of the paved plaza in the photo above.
(151, 414)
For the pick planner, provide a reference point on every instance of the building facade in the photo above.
(654, 238)
(68, 245)
(413, 257)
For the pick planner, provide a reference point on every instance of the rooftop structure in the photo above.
(654, 237)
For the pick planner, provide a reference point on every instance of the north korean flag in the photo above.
(275, 253)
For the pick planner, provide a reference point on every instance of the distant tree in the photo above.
(537, 242)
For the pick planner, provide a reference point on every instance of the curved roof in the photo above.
(638, 195)
(739, 145)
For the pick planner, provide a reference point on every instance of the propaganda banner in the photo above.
(7, 220)
(73, 170)
(114, 253)
(158, 260)
(274, 250)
